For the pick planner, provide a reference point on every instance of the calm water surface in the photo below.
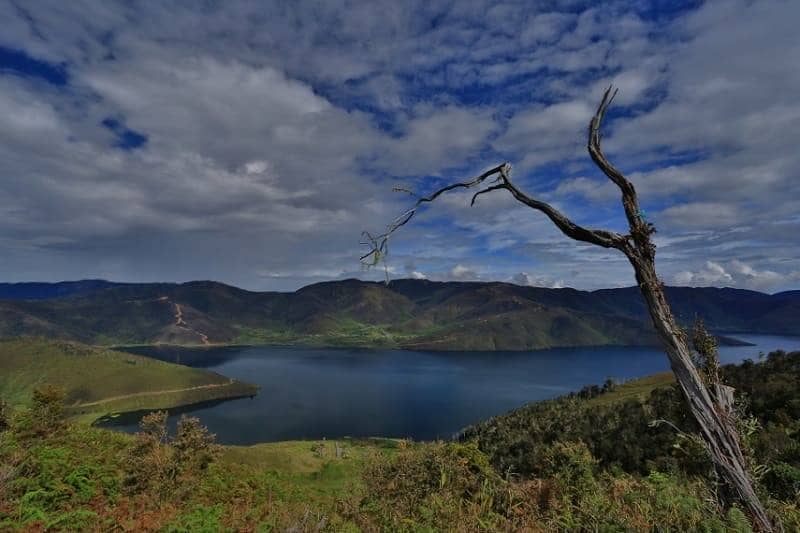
(313, 393)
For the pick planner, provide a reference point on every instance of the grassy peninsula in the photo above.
(100, 381)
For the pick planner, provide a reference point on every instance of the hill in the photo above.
(414, 314)
(616, 422)
(592, 462)
(98, 381)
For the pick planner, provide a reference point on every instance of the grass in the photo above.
(74, 480)
(309, 471)
(99, 381)
(634, 389)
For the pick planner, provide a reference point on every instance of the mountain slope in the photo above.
(417, 314)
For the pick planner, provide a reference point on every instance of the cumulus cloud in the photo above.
(274, 134)
(735, 273)
(533, 280)
(463, 273)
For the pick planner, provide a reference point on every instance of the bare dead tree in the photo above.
(712, 411)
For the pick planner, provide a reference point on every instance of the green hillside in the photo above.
(98, 381)
(415, 314)
(591, 461)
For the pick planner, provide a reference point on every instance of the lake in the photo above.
(310, 393)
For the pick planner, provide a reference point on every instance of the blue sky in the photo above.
(252, 142)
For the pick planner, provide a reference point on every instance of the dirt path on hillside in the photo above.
(181, 323)
(153, 393)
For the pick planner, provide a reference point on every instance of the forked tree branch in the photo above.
(501, 180)
(379, 243)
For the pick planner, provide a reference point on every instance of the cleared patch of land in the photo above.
(638, 389)
(98, 381)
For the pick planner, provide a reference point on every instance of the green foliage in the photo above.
(423, 487)
(5, 415)
(194, 446)
(705, 354)
(621, 436)
(783, 480)
(47, 410)
(449, 487)
(575, 477)
(571, 464)
(162, 465)
(201, 519)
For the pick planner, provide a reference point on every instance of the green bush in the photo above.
(426, 486)
(201, 519)
(47, 410)
(783, 481)
(570, 464)
(163, 465)
(5, 415)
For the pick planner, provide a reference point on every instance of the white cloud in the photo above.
(533, 280)
(737, 273)
(711, 274)
(548, 133)
(463, 273)
(595, 190)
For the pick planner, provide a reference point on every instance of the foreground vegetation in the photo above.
(98, 381)
(592, 461)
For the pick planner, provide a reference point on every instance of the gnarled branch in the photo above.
(605, 238)
(640, 228)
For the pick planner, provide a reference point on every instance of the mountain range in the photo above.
(411, 314)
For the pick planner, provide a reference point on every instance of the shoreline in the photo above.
(146, 402)
(723, 340)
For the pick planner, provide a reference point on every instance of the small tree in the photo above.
(47, 410)
(149, 463)
(5, 415)
(158, 463)
(711, 410)
(195, 447)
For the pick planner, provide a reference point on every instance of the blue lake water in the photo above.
(310, 393)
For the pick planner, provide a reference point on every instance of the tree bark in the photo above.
(717, 427)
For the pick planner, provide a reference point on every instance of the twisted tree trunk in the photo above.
(713, 412)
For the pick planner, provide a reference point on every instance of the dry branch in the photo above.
(711, 411)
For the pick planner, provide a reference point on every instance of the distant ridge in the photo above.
(406, 313)
(43, 290)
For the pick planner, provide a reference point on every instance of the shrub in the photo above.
(5, 415)
(571, 464)
(783, 481)
(430, 485)
(194, 446)
(149, 465)
(162, 465)
(47, 410)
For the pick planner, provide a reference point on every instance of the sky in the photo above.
(252, 142)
